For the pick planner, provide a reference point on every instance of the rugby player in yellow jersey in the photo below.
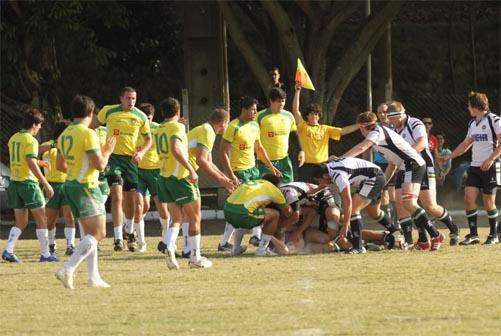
(249, 206)
(24, 191)
(58, 202)
(80, 156)
(148, 172)
(126, 122)
(241, 141)
(314, 136)
(178, 184)
(276, 125)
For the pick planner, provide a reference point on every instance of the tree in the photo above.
(306, 30)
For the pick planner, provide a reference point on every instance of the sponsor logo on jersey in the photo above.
(480, 137)
(116, 132)
(242, 146)
(271, 134)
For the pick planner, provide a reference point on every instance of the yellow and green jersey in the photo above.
(52, 174)
(101, 132)
(275, 130)
(256, 194)
(169, 166)
(126, 126)
(242, 138)
(22, 145)
(75, 143)
(315, 140)
(150, 159)
(202, 136)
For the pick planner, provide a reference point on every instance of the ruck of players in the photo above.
(119, 152)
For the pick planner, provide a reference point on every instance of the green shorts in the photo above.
(284, 165)
(104, 187)
(25, 194)
(121, 170)
(238, 216)
(247, 175)
(84, 202)
(172, 190)
(148, 181)
(58, 200)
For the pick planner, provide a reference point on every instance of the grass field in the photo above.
(454, 291)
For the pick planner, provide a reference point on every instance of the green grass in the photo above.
(454, 291)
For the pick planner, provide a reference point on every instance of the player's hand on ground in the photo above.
(300, 158)
(343, 233)
(276, 172)
(48, 190)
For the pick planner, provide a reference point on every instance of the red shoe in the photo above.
(437, 241)
(421, 246)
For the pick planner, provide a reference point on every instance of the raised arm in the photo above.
(295, 104)
(349, 129)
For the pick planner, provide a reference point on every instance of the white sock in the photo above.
(164, 223)
(238, 236)
(43, 239)
(256, 231)
(69, 234)
(264, 242)
(117, 232)
(128, 225)
(52, 236)
(228, 232)
(194, 242)
(172, 234)
(139, 227)
(186, 244)
(92, 268)
(81, 252)
(81, 229)
(14, 234)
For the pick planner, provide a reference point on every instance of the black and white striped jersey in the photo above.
(484, 135)
(411, 131)
(394, 148)
(295, 194)
(351, 172)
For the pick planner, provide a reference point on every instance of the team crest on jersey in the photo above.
(483, 127)
(116, 132)
(241, 146)
(271, 134)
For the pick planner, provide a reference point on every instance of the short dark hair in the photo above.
(246, 102)
(82, 106)
(314, 108)
(319, 170)
(478, 100)
(219, 115)
(127, 89)
(147, 108)
(169, 107)
(32, 116)
(273, 68)
(276, 93)
(59, 127)
(273, 179)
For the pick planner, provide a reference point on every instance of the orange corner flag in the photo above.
(302, 76)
